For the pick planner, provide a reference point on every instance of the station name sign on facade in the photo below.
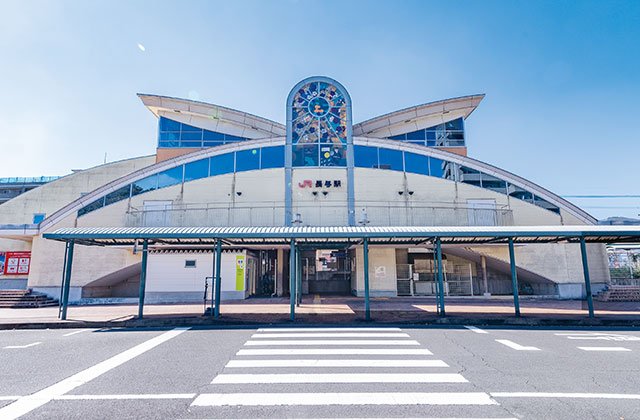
(319, 183)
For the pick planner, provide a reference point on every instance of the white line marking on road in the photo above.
(345, 398)
(332, 343)
(564, 395)
(75, 332)
(599, 336)
(25, 346)
(517, 346)
(604, 348)
(336, 363)
(9, 397)
(29, 403)
(335, 378)
(334, 351)
(475, 329)
(332, 335)
(127, 397)
(326, 329)
(381, 418)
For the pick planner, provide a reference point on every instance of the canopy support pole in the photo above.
(367, 307)
(587, 279)
(292, 280)
(440, 276)
(64, 266)
(67, 281)
(298, 277)
(514, 277)
(143, 278)
(218, 279)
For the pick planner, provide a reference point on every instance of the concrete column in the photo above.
(279, 272)
(143, 278)
(485, 280)
(292, 280)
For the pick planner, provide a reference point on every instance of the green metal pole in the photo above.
(67, 281)
(514, 277)
(440, 276)
(292, 280)
(64, 266)
(218, 279)
(143, 278)
(365, 251)
(587, 279)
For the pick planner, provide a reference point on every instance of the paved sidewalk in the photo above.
(495, 310)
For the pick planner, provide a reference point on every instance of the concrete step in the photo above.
(25, 299)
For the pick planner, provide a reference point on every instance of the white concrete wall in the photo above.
(56, 194)
(382, 272)
(169, 280)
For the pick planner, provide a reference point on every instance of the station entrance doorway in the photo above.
(326, 271)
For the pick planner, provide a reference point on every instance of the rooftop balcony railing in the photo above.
(317, 214)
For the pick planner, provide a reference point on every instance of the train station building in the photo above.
(216, 167)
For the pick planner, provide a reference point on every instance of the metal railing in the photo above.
(317, 214)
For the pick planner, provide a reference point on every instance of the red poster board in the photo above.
(17, 263)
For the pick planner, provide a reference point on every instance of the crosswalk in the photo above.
(343, 372)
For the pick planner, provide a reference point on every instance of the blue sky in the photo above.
(562, 78)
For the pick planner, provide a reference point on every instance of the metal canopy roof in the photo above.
(397, 235)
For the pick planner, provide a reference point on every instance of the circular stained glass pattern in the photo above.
(318, 107)
(319, 125)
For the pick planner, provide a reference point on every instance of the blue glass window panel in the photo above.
(212, 143)
(191, 135)
(306, 154)
(455, 135)
(365, 156)
(228, 138)
(417, 164)
(493, 184)
(399, 137)
(187, 127)
(272, 157)
(431, 135)
(391, 159)
(416, 135)
(456, 124)
(221, 164)
(436, 167)
(332, 155)
(168, 144)
(196, 170)
(170, 177)
(169, 125)
(118, 195)
(522, 195)
(431, 143)
(213, 136)
(191, 144)
(169, 135)
(247, 160)
(91, 207)
(438, 127)
(144, 185)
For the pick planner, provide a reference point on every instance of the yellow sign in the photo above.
(239, 273)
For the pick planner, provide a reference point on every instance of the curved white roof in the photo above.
(212, 117)
(418, 117)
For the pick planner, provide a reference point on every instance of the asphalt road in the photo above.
(320, 373)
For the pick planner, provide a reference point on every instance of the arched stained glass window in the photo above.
(320, 114)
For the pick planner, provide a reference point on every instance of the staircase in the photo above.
(25, 299)
(615, 293)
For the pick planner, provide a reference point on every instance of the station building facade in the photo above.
(216, 166)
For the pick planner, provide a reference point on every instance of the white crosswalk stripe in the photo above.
(379, 361)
